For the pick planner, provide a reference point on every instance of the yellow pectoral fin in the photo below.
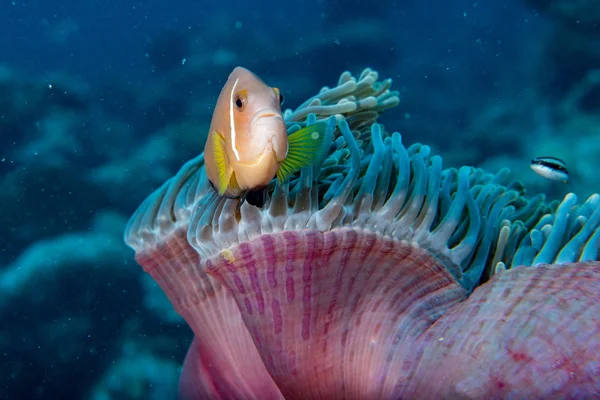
(305, 147)
(218, 146)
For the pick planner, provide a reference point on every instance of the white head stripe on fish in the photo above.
(232, 121)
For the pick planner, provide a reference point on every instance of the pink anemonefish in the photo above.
(248, 144)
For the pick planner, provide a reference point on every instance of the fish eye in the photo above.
(281, 99)
(240, 101)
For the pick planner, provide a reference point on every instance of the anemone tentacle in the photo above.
(569, 234)
(360, 100)
(169, 207)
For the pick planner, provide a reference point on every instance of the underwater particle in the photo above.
(551, 168)
(183, 61)
(238, 24)
(336, 41)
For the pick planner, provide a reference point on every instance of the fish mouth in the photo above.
(266, 113)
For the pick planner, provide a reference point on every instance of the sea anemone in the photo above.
(377, 274)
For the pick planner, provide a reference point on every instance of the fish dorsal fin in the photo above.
(218, 144)
(305, 147)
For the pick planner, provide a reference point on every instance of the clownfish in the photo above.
(551, 168)
(248, 144)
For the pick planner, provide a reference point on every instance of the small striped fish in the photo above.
(551, 168)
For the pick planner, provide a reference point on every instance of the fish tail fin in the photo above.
(305, 147)
(218, 146)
